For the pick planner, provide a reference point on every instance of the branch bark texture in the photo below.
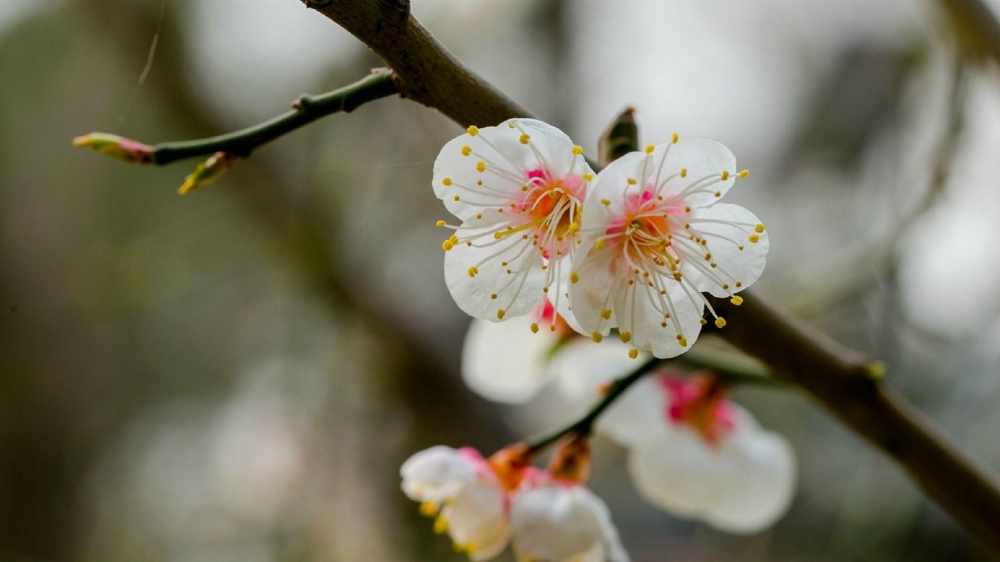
(848, 383)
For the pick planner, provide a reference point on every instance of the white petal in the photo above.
(641, 411)
(638, 309)
(506, 160)
(559, 295)
(743, 485)
(517, 292)
(764, 485)
(505, 361)
(556, 522)
(724, 242)
(477, 520)
(608, 192)
(590, 295)
(676, 470)
(705, 161)
(436, 474)
(582, 367)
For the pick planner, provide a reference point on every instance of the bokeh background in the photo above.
(237, 375)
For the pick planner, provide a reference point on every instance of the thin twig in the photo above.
(847, 382)
(377, 85)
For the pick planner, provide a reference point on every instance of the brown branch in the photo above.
(847, 382)
(426, 71)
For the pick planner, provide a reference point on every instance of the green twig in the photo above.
(379, 84)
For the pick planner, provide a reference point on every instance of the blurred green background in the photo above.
(238, 374)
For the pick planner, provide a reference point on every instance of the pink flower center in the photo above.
(699, 402)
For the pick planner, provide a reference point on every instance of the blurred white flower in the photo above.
(466, 494)
(557, 520)
(654, 239)
(695, 454)
(484, 504)
(518, 189)
(506, 362)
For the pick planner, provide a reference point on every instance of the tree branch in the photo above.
(377, 85)
(847, 382)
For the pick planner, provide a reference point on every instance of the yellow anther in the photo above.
(457, 198)
(675, 138)
(725, 175)
(588, 176)
(453, 238)
(650, 148)
(479, 216)
(725, 286)
(473, 271)
(684, 172)
(534, 327)
(574, 227)
(754, 238)
(524, 138)
(683, 341)
(687, 209)
(631, 181)
(577, 150)
(473, 130)
(428, 509)
(744, 174)
(759, 228)
(524, 188)
(626, 336)
(605, 202)
(876, 370)
(500, 313)
(596, 337)
(446, 181)
(718, 194)
(720, 322)
(481, 166)
(466, 150)
(447, 245)
(440, 525)
(440, 223)
(574, 277)
(739, 283)
(545, 289)
(633, 353)
(606, 313)
(737, 300)
(599, 243)
(493, 296)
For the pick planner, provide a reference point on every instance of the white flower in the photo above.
(466, 494)
(506, 362)
(484, 503)
(563, 521)
(518, 189)
(656, 239)
(695, 454)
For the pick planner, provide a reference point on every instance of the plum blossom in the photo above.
(554, 519)
(692, 452)
(468, 495)
(518, 190)
(506, 362)
(654, 239)
(486, 504)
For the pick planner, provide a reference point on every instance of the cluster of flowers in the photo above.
(545, 250)
(485, 504)
(633, 248)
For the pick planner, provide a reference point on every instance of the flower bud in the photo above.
(126, 150)
(509, 464)
(208, 171)
(571, 460)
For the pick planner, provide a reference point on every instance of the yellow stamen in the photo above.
(737, 300)
(596, 337)
(720, 322)
(472, 130)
